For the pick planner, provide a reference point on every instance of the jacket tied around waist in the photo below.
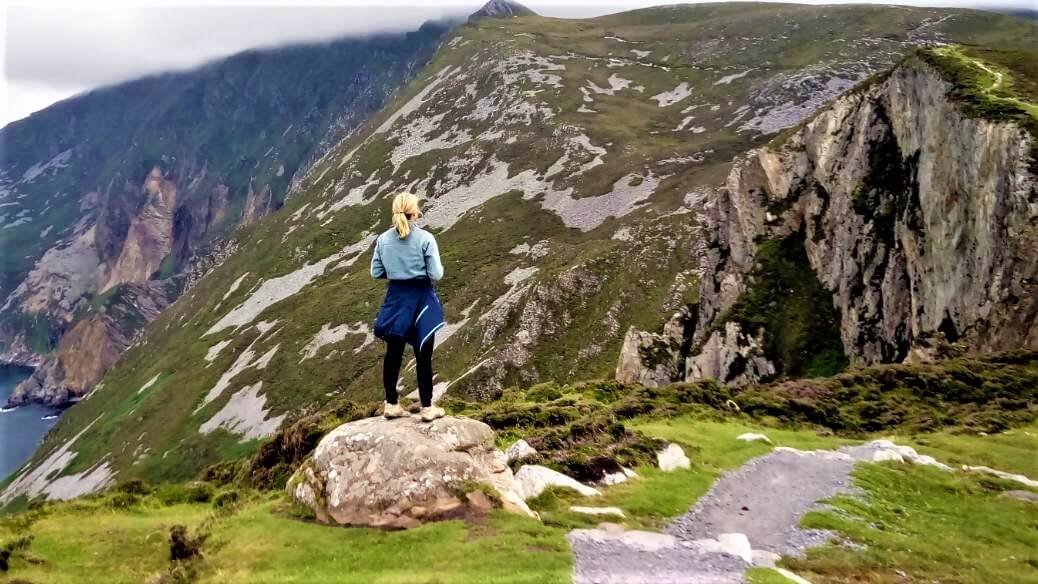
(411, 310)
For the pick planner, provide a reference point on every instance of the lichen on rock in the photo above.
(402, 473)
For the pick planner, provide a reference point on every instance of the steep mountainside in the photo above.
(900, 223)
(565, 164)
(123, 186)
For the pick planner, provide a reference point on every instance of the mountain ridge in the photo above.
(147, 177)
(565, 165)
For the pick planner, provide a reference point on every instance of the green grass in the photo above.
(786, 300)
(923, 524)
(765, 576)
(1014, 450)
(91, 541)
(261, 545)
(920, 521)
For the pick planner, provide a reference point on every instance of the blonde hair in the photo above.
(405, 209)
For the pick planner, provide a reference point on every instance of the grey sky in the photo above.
(53, 50)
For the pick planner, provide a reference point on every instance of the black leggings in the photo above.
(391, 369)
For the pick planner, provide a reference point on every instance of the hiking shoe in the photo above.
(431, 413)
(391, 411)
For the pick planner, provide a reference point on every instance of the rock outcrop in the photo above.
(93, 345)
(402, 473)
(150, 236)
(653, 359)
(916, 217)
(501, 9)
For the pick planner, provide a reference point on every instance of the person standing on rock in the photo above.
(411, 313)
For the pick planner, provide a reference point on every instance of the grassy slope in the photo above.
(922, 521)
(922, 524)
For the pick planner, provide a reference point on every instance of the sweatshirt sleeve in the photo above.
(433, 267)
(378, 271)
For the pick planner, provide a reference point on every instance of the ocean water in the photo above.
(21, 429)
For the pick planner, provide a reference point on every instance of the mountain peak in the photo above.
(501, 9)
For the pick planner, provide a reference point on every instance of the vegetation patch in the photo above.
(795, 311)
(975, 394)
(920, 524)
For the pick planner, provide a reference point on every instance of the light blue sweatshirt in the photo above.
(415, 256)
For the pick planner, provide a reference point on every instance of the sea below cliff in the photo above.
(21, 429)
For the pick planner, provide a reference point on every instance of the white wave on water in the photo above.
(50, 417)
(5, 410)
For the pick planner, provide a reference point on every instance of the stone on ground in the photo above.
(672, 457)
(1002, 475)
(765, 559)
(733, 544)
(870, 450)
(752, 437)
(521, 450)
(532, 480)
(887, 455)
(402, 473)
(598, 510)
(620, 476)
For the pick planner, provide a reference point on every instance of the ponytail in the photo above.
(405, 210)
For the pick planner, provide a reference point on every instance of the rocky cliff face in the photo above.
(919, 219)
(149, 238)
(93, 345)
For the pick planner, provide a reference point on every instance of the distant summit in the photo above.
(501, 9)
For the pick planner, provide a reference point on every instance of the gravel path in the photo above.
(765, 499)
(613, 556)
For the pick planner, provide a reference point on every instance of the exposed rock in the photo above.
(598, 510)
(886, 455)
(733, 544)
(61, 277)
(620, 476)
(1002, 475)
(645, 540)
(258, 204)
(519, 451)
(150, 236)
(731, 356)
(918, 219)
(652, 359)
(401, 473)
(672, 457)
(91, 348)
(501, 9)
(532, 480)
(765, 559)
(752, 437)
(884, 450)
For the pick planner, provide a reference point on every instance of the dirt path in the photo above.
(764, 499)
(997, 75)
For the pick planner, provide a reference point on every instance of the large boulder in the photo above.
(401, 473)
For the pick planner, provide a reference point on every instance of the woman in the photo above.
(411, 312)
